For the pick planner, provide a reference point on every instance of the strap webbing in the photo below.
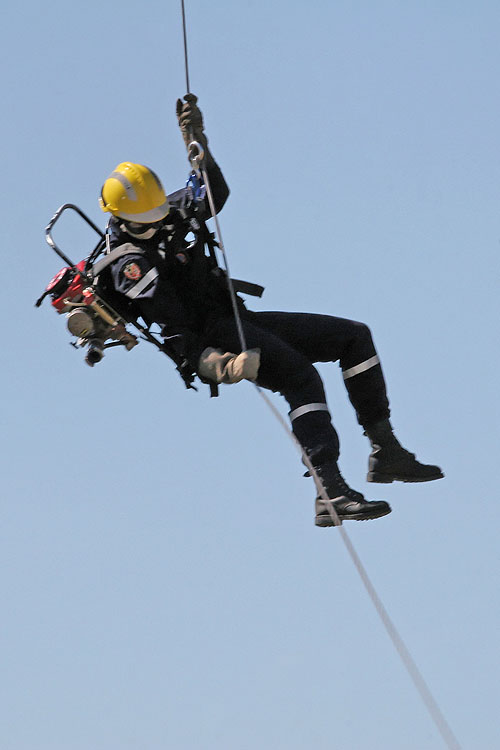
(118, 252)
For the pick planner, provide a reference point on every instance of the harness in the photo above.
(202, 234)
(184, 221)
(239, 285)
(97, 320)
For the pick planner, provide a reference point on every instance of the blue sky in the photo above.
(163, 584)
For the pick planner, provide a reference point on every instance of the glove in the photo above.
(229, 367)
(190, 120)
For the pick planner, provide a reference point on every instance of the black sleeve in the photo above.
(129, 270)
(218, 184)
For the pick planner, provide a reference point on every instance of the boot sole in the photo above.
(375, 476)
(327, 521)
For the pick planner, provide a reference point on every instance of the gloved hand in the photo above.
(190, 120)
(229, 367)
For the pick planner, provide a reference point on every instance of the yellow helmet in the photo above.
(134, 193)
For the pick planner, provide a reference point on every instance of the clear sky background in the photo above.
(163, 586)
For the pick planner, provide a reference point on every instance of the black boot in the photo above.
(390, 462)
(348, 504)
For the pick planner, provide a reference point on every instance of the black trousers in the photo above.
(290, 343)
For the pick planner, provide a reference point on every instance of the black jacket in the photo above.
(172, 279)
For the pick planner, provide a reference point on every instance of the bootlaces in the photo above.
(341, 484)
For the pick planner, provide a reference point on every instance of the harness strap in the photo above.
(126, 249)
(239, 285)
(248, 287)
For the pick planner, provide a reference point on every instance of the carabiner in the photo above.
(195, 156)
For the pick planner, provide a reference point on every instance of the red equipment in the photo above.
(89, 317)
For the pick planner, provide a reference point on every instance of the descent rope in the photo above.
(409, 663)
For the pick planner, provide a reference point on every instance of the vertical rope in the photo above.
(186, 67)
(234, 303)
(408, 662)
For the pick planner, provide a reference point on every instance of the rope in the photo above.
(418, 680)
(186, 68)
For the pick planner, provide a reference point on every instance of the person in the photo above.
(157, 271)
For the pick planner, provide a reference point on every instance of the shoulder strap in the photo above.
(127, 249)
(244, 287)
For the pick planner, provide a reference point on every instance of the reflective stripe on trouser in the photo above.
(288, 371)
(367, 392)
(301, 410)
(325, 338)
(312, 426)
(362, 367)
